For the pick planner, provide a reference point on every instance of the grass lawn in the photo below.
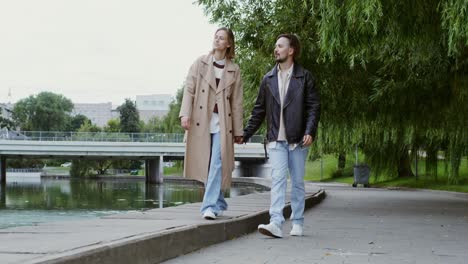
(173, 171)
(168, 171)
(315, 172)
(59, 169)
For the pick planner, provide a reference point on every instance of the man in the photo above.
(290, 102)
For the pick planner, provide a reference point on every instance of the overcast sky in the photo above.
(94, 51)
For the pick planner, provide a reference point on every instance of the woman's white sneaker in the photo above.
(209, 215)
(296, 230)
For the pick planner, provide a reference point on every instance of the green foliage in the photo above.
(75, 122)
(81, 168)
(44, 112)
(171, 122)
(112, 126)
(393, 75)
(6, 123)
(455, 24)
(87, 126)
(129, 117)
(24, 163)
(154, 125)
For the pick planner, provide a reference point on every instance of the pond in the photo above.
(45, 200)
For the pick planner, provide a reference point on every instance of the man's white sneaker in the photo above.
(209, 215)
(271, 230)
(296, 230)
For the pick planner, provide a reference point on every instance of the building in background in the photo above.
(153, 105)
(99, 114)
(148, 107)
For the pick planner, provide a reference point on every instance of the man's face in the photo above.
(283, 50)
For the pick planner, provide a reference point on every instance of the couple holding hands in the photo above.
(212, 115)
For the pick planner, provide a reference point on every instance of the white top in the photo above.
(284, 77)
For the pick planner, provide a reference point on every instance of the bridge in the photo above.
(153, 148)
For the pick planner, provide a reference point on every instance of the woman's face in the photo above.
(220, 41)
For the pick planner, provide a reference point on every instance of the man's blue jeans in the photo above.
(214, 197)
(282, 160)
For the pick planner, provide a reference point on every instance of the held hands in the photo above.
(238, 139)
(185, 122)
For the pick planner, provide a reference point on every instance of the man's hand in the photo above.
(239, 139)
(185, 122)
(307, 140)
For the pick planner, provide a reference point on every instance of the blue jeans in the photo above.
(214, 197)
(282, 160)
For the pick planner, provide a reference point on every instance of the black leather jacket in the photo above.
(301, 110)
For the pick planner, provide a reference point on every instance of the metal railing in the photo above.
(99, 136)
(23, 170)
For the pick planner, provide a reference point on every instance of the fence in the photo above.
(99, 136)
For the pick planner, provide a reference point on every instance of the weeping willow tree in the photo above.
(392, 74)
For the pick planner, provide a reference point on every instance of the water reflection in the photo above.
(25, 203)
(2, 195)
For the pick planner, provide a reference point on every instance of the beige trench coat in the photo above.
(200, 96)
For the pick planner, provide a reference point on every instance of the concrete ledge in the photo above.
(148, 236)
(156, 248)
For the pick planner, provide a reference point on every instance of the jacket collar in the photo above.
(295, 86)
(207, 71)
(298, 71)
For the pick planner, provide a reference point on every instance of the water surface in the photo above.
(32, 201)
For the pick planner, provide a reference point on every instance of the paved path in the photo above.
(360, 226)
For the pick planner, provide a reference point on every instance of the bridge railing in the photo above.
(99, 136)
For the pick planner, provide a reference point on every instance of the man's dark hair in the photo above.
(294, 43)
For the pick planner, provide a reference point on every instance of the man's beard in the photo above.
(280, 60)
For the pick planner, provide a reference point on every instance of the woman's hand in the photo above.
(185, 122)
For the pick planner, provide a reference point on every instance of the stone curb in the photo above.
(155, 248)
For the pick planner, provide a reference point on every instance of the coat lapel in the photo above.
(295, 85)
(228, 77)
(207, 71)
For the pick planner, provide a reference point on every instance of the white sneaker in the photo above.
(209, 215)
(271, 230)
(296, 230)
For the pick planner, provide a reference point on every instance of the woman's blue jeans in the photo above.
(214, 198)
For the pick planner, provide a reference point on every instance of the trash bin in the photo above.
(361, 175)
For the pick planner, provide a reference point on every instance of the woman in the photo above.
(211, 113)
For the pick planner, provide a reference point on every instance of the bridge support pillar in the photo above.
(253, 169)
(154, 170)
(2, 195)
(2, 170)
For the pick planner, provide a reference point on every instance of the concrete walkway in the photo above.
(360, 226)
(139, 237)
